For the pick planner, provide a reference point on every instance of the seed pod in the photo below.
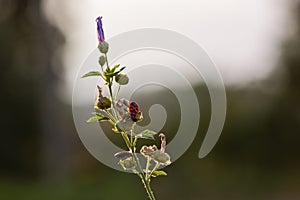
(122, 79)
(101, 60)
(103, 47)
(103, 103)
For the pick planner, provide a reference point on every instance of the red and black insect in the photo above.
(134, 111)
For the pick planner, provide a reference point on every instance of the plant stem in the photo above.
(106, 61)
(126, 139)
(131, 137)
(145, 181)
(147, 167)
(129, 143)
(117, 93)
(110, 91)
(155, 168)
(147, 187)
(112, 101)
(110, 116)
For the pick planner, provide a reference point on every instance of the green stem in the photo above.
(111, 122)
(106, 61)
(119, 87)
(110, 116)
(110, 91)
(112, 101)
(129, 143)
(126, 139)
(131, 137)
(147, 167)
(135, 141)
(145, 181)
(147, 187)
(101, 68)
(154, 168)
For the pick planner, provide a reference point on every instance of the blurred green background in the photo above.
(257, 156)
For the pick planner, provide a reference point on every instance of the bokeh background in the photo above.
(256, 46)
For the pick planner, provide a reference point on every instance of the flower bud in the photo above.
(100, 31)
(103, 103)
(103, 47)
(101, 60)
(122, 79)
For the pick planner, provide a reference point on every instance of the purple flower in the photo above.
(100, 29)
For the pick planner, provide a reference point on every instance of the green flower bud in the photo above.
(103, 47)
(122, 79)
(103, 103)
(102, 60)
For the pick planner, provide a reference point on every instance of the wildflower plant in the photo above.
(123, 115)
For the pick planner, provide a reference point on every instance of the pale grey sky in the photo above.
(242, 37)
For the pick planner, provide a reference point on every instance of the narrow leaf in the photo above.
(114, 68)
(159, 173)
(92, 73)
(102, 116)
(121, 69)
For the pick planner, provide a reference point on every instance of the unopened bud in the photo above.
(103, 103)
(122, 79)
(103, 47)
(101, 60)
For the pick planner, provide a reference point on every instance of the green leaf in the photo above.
(147, 134)
(97, 118)
(121, 69)
(109, 75)
(92, 73)
(159, 173)
(114, 68)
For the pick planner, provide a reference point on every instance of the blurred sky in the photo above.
(242, 37)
